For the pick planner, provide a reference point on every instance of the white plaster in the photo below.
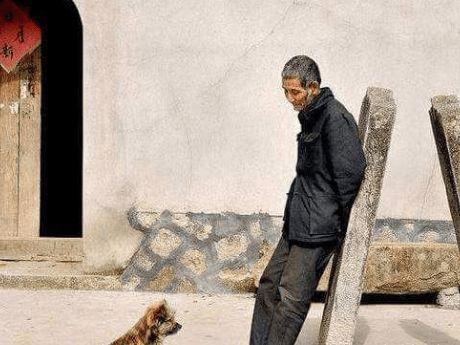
(183, 107)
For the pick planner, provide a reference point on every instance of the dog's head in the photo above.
(165, 319)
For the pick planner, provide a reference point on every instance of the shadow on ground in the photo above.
(310, 332)
(425, 333)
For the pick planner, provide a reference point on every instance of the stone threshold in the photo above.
(53, 282)
(38, 275)
(41, 248)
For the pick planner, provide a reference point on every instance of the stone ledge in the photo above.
(37, 249)
(408, 268)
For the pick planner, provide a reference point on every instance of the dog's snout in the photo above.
(176, 328)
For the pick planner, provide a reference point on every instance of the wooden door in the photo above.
(20, 127)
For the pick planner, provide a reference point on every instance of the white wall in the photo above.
(184, 110)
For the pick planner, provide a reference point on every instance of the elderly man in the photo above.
(330, 168)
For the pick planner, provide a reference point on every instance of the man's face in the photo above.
(296, 94)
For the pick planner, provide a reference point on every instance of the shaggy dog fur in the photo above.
(157, 322)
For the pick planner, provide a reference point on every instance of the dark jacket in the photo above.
(330, 168)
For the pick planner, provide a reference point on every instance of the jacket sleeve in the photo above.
(345, 158)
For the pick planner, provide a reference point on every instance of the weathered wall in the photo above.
(109, 241)
(209, 253)
(183, 107)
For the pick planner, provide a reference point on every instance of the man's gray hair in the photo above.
(303, 68)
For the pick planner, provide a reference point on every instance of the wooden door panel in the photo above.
(29, 146)
(9, 144)
(20, 126)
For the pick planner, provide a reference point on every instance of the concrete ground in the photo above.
(97, 317)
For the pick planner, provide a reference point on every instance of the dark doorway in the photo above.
(62, 118)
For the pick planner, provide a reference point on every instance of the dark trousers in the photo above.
(286, 288)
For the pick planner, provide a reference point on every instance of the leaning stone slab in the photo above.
(445, 122)
(345, 286)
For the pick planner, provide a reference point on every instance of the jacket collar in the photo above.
(317, 104)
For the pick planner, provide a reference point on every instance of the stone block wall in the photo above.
(413, 231)
(227, 252)
(197, 252)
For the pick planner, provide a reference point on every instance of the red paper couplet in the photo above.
(19, 34)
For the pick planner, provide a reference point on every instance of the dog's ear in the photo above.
(166, 304)
(165, 309)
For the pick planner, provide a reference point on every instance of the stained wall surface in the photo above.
(183, 107)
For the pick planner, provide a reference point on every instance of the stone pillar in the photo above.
(445, 122)
(345, 285)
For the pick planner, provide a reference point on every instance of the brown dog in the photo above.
(157, 322)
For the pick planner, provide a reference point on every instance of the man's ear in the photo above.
(314, 87)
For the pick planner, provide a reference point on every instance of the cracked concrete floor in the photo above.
(98, 317)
